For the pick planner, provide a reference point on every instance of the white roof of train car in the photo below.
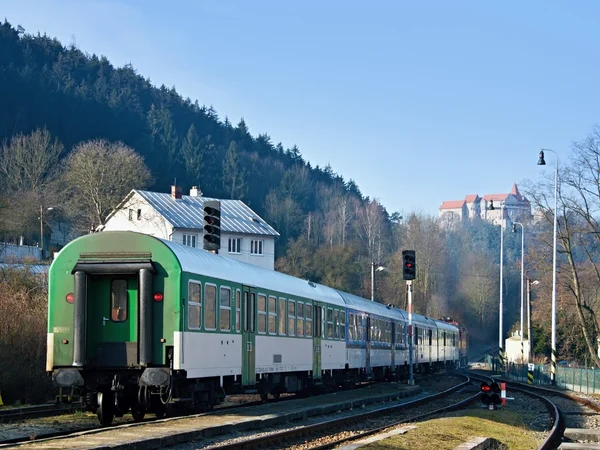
(198, 261)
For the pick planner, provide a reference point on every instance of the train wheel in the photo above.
(105, 411)
(264, 396)
(138, 413)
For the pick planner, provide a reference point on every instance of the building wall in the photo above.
(266, 260)
(138, 215)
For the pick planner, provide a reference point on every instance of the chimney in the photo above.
(175, 192)
(194, 192)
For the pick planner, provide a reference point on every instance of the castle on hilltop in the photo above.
(516, 208)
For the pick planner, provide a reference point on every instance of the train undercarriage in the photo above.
(163, 392)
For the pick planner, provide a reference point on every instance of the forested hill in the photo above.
(78, 97)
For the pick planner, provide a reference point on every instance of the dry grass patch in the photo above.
(450, 432)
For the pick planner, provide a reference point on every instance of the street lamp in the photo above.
(529, 284)
(514, 229)
(42, 227)
(542, 162)
(373, 270)
(500, 334)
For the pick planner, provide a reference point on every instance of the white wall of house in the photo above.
(241, 249)
(138, 215)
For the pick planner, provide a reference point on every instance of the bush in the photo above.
(23, 328)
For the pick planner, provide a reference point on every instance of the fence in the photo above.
(19, 253)
(577, 379)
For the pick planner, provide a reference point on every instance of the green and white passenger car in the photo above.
(148, 325)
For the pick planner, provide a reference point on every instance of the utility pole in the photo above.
(411, 379)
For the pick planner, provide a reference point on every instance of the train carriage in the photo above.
(148, 325)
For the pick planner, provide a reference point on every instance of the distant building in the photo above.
(516, 208)
(180, 218)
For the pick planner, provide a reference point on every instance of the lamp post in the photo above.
(373, 270)
(542, 162)
(522, 272)
(42, 227)
(500, 333)
(529, 284)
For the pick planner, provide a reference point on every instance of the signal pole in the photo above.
(411, 379)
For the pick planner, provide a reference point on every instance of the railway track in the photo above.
(33, 412)
(580, 417)
(332, 433)
(553, 438)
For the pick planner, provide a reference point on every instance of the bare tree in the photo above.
(577, 232)
(97, 176)
(478, 287)
(28, 168)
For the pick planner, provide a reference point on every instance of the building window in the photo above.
(131, 214)
(189, 240)
(139, 214)
(235, 245)
(256, 247)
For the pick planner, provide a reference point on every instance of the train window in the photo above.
(308, 312)
(252, 311)
(118, 300)
(194, 305)
(300, 323)
(336, 329)
(444, 338)
(329, 323)
(272, 315)
(282, 310)
(342, 325)
(225, 313)
(210, 307)
(246, 311)
(351, 326)
(291, 318)
(238, 310)
(262, 313)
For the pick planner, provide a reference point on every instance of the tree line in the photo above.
(74, 120)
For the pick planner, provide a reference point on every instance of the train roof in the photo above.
(443, 325)
(198, 261)
(358, 303)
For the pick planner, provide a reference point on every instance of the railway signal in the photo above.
(490, 395)
(485, 393)
(409, 266)
(212, 225)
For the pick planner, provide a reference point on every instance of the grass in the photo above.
(450, 432)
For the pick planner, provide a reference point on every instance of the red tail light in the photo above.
(158, 297)
(70, 298)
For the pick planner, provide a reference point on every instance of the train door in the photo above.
(248, 336)
(317, 335)
(112, 312)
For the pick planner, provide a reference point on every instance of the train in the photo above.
(145, 325)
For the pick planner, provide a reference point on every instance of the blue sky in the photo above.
(418, 102)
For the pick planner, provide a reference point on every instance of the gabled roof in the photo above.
(471, 198)
(515, 191)
(187, 212)
(495, 197)
(452, 204)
